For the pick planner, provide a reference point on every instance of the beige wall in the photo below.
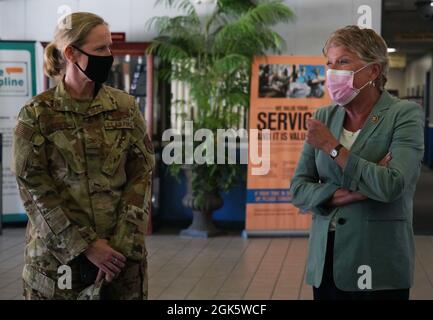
(410, 77)
(416, 71)
(396, 81)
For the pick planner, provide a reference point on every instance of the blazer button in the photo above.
(341, 221)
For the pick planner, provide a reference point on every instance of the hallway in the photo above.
(423, 203)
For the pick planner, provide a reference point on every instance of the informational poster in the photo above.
(18, 83)
(285, 91)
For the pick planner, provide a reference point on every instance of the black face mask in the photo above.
(98, 67)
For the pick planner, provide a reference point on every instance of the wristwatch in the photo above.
(334, 152)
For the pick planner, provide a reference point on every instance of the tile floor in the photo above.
(225, 267)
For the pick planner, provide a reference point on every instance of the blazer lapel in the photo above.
(374, 119)
(336, 125)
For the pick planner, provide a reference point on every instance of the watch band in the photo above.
(335, 152)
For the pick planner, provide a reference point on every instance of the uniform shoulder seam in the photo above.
(41, 99)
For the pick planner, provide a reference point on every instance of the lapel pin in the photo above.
(375, 119)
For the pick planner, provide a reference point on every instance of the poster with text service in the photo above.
(285, 91)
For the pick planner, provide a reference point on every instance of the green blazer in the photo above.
(376, 232)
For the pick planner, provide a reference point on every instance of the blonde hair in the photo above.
(367, 44)
(73, 29)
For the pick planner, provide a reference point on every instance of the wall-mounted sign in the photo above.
(18, 84)
(414, 37)
(397, 60)
(14, 78)
(118, 36)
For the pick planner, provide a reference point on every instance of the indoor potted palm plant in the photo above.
(213, 54)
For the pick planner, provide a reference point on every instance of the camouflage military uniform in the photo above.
(84, 172)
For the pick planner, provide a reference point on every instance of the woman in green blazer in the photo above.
(357, 174)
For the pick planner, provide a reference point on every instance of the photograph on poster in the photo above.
(291, 81)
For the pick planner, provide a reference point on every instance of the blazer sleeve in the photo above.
(308, 192)
(387, 184)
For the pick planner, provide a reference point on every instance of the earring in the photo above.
(372, 83)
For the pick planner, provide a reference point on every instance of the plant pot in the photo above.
(202, 225)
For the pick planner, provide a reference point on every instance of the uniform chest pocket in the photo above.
(118, 120)
(69, 149)
(53, 123)
(118, 126)
(60, 132)
(116, 153)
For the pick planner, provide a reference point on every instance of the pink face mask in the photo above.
(340, 85)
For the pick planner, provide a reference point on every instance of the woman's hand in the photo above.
(105, 258)
(319, 136)
(384, 162)
(102, 275)
(342, 197)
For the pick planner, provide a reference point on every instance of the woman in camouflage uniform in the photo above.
(83, 162)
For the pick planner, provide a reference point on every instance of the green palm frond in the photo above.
(238, 6)
(177, 47)
(166, 50)
(270, 13)
(230, 64)
(182, 5)
(238, 99)
(213, 55)
(252, 29)
(166, 25)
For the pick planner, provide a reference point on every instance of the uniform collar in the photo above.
(104, 101)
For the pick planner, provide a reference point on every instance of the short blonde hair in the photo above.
(72, 30)
(366, 43)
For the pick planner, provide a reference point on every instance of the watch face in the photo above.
(334, 153)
